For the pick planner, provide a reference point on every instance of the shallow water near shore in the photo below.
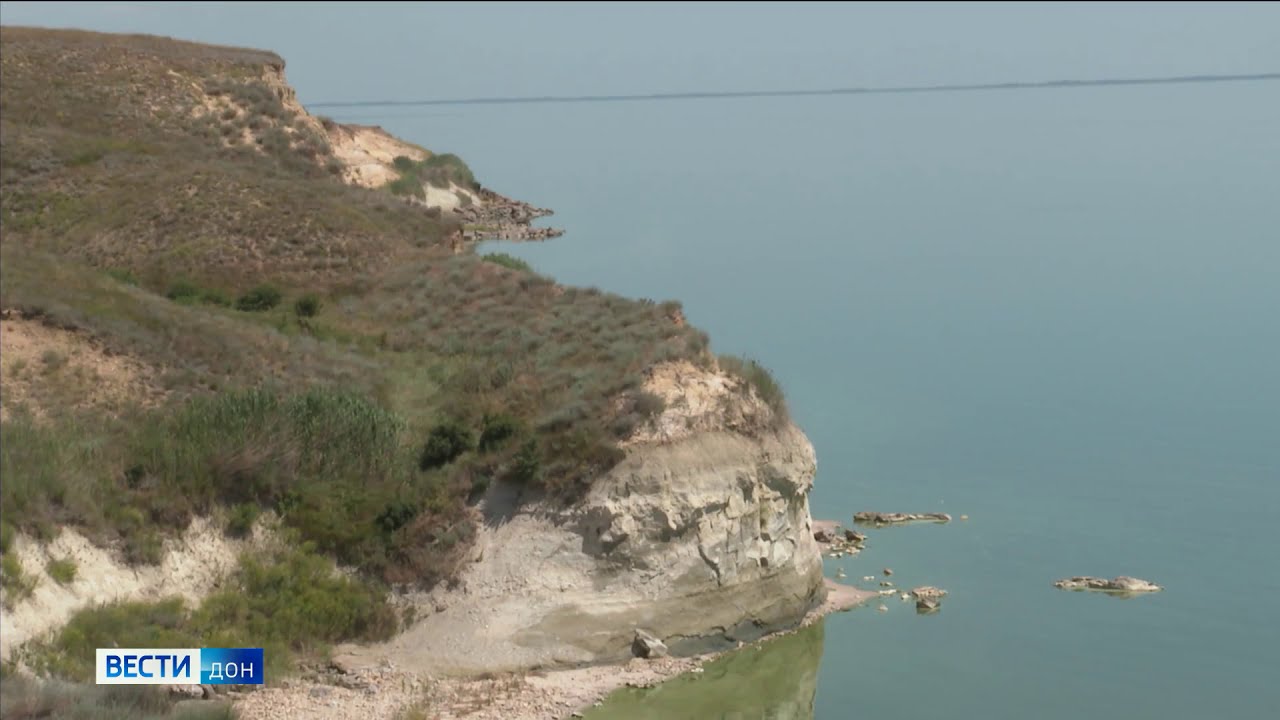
(1053, 311)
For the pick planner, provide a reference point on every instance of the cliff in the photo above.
(283, 321)
(701, 536)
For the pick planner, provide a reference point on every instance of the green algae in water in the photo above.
(776, 680)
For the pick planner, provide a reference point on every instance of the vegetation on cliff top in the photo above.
(319, 350)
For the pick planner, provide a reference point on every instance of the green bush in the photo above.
(307, 306)
(526, 466)
(508, 261)
(295, 600)
(444, 444)
(183, 291)
(62, 571)
(409, 185)
(761, 380)
(648, 404)
(241, 519)
(442, 169)
(16, 582)
(396, 515)
(259, 299)
(188, 293)
(496, 430)
(7, 535)
(292, 601)
(70, 653)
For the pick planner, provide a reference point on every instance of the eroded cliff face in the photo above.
(701, 536)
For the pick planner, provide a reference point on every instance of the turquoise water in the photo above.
(1056, 311)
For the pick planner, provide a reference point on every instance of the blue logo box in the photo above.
(231, 666)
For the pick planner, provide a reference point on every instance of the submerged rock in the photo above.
(879, 518)
(648, 646)
(1123, 583)
(927, 605)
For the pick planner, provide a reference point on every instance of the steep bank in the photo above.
(701, 536)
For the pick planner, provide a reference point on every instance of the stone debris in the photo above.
(879, 518)
(1122, 584)
(498, 217)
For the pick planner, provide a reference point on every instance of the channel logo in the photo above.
(181, 666)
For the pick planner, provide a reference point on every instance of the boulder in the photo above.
(648, 646)
(854, 537)
(928, 592)
(1123, 584)
(888, 572)
(927, 605)
(824, 536)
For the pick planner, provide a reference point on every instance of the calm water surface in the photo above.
(1057, 312)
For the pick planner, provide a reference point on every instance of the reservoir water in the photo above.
(1054, 311)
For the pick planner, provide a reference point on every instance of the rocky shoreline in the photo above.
(497, 217)
(385, 692)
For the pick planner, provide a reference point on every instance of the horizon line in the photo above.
(1039, 85)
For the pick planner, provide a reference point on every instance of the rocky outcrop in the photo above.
(879, 518)
(928, 592)
(1123, 584)
(703, 539)
(497, 217)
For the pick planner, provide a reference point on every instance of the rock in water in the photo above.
(888, 572)
(879, 518)
(824, 536)
(648, 646)
(1123, 583)
(927, 605)
(854, 537)
(928, 592)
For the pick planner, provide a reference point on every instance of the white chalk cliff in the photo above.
(701, 536)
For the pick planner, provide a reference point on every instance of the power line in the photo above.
(1048, 85)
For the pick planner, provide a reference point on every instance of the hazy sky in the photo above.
(363, 51)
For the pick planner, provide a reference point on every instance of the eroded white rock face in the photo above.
(192, 565)
(697, 538)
